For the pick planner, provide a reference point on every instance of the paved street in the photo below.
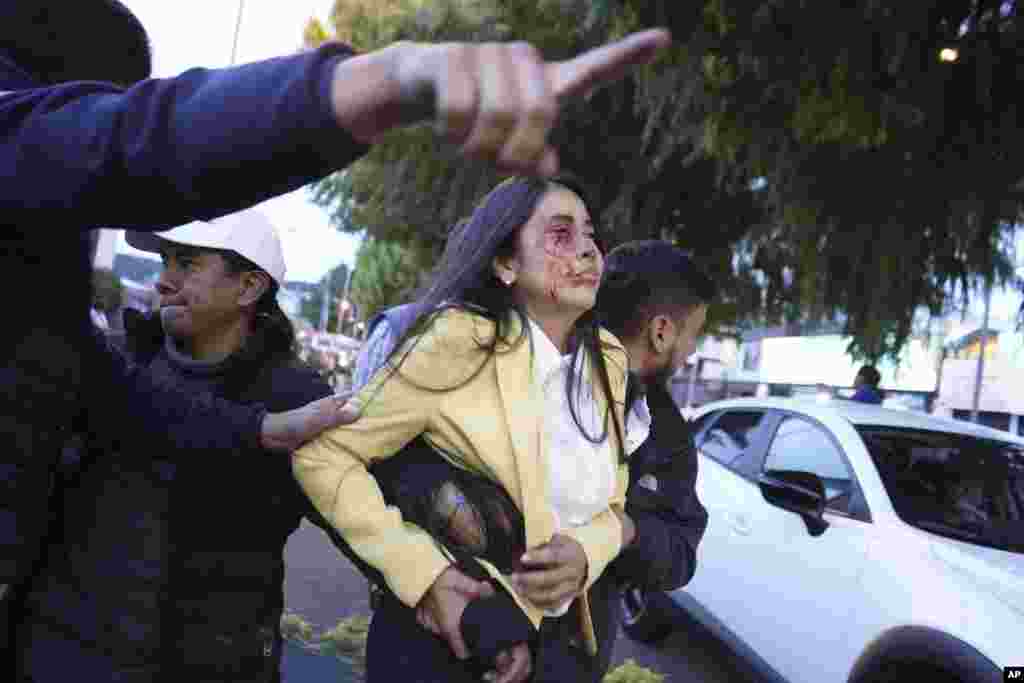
(323, 587)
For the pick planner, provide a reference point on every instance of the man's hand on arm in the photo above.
(289, 430)
(498, 101)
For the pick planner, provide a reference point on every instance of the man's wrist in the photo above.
(376, 92)
(275, 433)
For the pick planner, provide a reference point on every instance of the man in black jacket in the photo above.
(655, 300)
(86, 141)
(163, 573)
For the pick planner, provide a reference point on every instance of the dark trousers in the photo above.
(560, 654)
(399, 649)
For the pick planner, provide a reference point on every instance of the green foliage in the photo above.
(631, 672)
(889, 176)
(386, 274)
(294, 627)
(310, 309)
(347, 639)
(315, 33)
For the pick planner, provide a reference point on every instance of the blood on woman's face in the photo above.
(557, 264)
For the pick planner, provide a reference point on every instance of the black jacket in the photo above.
(670, 520)
(165, 573)
(162, 153)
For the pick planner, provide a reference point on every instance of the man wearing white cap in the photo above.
(168, 570)
(220, 280)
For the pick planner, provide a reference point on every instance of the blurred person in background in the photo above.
(865, 386)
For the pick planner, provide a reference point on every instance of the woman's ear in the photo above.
(254, 286)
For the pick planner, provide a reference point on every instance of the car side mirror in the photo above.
(799, 492)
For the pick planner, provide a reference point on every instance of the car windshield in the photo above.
(959, 486)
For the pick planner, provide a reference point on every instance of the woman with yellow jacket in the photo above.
(506, 374)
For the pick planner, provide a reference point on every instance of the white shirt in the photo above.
(581, 474)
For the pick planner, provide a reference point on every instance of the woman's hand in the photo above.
(553, 573)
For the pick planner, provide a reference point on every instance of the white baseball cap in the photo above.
(247, 233)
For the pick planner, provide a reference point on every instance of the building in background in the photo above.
(786, 361)
(1001, 400)
(936, 372)
(104, 248)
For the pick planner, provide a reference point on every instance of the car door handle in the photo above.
(738, 523)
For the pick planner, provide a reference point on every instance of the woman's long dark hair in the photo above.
(465, 280)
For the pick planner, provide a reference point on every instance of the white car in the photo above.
(851, 543)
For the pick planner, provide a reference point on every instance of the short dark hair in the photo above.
(83, 40)
(646, 278)
(870, 375)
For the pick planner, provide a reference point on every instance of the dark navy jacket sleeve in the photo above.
(124, 398)
(168, 151)
(670, 520)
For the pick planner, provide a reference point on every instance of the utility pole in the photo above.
(345, 299)
(325, 301)
(981, 354)
(238, 30)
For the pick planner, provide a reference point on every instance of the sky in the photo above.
(191, 33)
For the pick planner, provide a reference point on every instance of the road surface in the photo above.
(323, 587)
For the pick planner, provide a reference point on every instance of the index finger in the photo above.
(541, 556)
(605, 64)
(453, 635)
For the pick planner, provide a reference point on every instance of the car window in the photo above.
(701, 423)
(955, 485)
(804, 446)
(730, 437)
